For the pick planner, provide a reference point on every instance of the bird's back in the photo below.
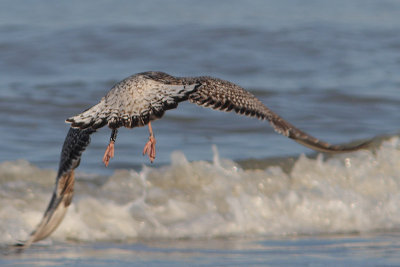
(135, 101)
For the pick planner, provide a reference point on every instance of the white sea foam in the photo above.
(346, 193)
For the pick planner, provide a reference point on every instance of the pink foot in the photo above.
(150, 149)
(109, 153)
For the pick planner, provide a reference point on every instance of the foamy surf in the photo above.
(357, 192)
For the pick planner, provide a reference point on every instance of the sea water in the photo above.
(224, 189)
(342, 209)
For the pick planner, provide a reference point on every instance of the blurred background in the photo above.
(329, 67)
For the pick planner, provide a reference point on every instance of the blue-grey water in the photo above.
(224, 190)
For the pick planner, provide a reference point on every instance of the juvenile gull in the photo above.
(144, 97)
(137, 101)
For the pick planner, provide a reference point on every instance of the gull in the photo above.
(137, 101)
(144, 97)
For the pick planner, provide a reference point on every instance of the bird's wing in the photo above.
(144, 97)
(226, 96)
(75, 143)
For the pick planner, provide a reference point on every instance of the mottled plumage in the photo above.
(134, 102)
(75, 143)
(142, 98)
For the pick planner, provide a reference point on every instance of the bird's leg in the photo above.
(150, 147)
(110, 148)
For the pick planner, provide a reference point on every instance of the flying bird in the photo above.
(137, 101)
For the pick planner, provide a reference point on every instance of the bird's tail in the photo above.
(92, 117)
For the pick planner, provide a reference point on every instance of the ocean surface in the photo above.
(225, 190)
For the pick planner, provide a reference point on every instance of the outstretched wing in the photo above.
(144, 97)
(226, 96)
(75, 143)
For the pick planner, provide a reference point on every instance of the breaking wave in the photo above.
(357, 192)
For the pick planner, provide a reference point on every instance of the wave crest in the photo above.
(356, 192)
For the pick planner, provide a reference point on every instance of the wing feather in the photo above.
(75, 143)
(145, 97)
(226, 96)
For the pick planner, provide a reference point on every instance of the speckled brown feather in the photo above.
(144, 97)
(226, 96)
(135, 101)
(75, 143)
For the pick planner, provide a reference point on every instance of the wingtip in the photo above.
(22, 245)
(328, 148)
(351, 148)
(364, 145)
